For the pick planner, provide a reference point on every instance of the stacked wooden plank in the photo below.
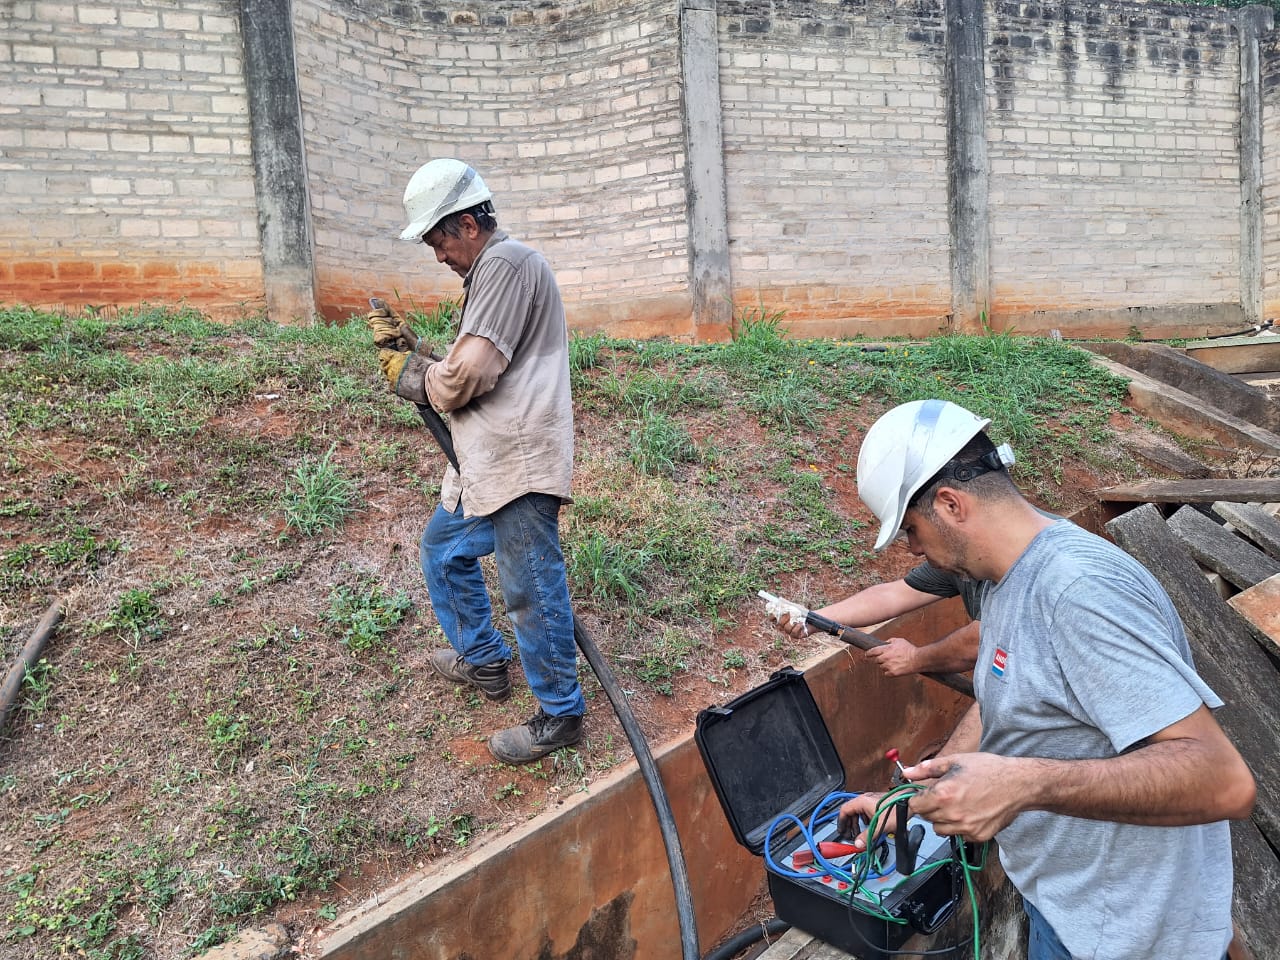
(1218, 556)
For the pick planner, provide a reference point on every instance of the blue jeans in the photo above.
(1042, 942)
(524, 537)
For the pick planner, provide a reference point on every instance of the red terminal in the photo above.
(829, 849)
(892, 754)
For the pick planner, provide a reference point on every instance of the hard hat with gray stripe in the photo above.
(437, 189)
(903, 450)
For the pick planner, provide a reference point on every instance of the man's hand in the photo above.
(386, 329)
(974, 795)
(793, 627)
(860, 808)
(406, 373)
(392, 363)
(897, 658)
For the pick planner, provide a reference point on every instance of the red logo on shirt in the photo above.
(998, 662)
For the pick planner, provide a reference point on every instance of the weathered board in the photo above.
(1237, 354)
(1257, 890)
(1217, 548)
(1260, 605)
(1254, 522)
(1261, 490)
(1167, 459)
(1226, 655)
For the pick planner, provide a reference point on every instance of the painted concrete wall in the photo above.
(571, 115)
(125, 165)
(1270, 56)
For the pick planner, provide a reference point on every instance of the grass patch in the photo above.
(320, 497)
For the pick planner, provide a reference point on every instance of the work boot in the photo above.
(491, 679)
(534, 740)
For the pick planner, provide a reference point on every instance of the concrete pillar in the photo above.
(1253, 22)
(709, 283)
(968, 169)
(279, 160)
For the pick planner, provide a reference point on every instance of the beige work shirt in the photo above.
(504, 383)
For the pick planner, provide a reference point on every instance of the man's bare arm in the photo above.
(884, 601)
(953, 653)
(1187, 773)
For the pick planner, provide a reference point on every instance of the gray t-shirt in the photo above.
(518, 437)
(942, 583)
(1083, 656)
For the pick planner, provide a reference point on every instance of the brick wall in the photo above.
(125, 157)
(1271, 176)
(1115, 178)
(571, 115)
(835, 160)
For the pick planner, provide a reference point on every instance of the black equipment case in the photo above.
(769, 752)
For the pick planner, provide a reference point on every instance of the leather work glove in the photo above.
(406, 373)
(386, 329)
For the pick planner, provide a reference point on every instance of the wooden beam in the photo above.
(1226, 655)
(1217, 548)
(1257, 889)
(1254, 522)
(1260, 605)
(1263, 489)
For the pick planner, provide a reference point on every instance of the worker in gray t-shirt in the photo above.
(1092, 752)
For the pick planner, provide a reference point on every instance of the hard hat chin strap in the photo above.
(997, 459)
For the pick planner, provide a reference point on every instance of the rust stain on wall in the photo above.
(71, 284)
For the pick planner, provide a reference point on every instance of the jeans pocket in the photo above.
(546, 504)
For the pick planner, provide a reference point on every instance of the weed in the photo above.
(137, 617)
(319, 497)
(660, 443)
(607, 569)
(584, 351)
(37, 686)
(508, 789)
(665, 657)
(363, 614)
(228, 733)
(734, 660)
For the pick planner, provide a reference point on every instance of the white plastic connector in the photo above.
(777, 608)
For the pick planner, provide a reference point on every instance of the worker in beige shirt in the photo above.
(504, 385)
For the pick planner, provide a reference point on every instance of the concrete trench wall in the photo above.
(871, 166)
(591, 879)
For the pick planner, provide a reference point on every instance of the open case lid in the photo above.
(768, 752)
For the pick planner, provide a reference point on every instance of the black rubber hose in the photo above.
(740, 941)
(652, 779)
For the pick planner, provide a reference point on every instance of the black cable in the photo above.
(652, 779)
(753, 934)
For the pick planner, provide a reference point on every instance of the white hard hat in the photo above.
(903, 450)
(438, 189)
